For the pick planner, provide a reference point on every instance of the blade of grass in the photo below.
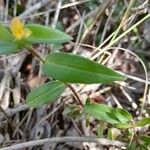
(123, 19)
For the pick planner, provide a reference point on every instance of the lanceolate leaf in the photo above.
(145, 143)
(76, 69)
(143, 122)
(121, 114)
(146, 139)
(100, 111)
(105, 113)
(132, 146)
(123, 125)
(8, 47)
(44, 34)
(143, 146)
(48, 92)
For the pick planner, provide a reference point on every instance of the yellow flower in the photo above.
(18, 30)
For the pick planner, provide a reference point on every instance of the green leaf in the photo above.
(132, 146)
(143, 147)
(44, 34)
(100, 129)
(143, 122)
(122, 115)
(76, 69)
(5, 35)
(103, 112)
(87, 120)
(123, 125)
(8, 48)
(48, 92)
(110, 134)
(146, 139)
(113, 133)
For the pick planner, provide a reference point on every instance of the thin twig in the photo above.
(21, 122)
(106, 24)
(100, 12)
(50, 114)
(101, 141)
(58, 9)
(34, 8)
(123, 19)
(52, 10)
(76, 127)
(5, 114)
(8, 118)
(13, 111)
(76, 95)
(77, 23)
(125, 33)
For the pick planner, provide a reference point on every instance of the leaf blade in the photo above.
(5, 35)
(122, 115)
(143, 122)
(45, 93)
(47, 35)
(104, 113)
(8, 48)
(76, 69)
(100, 112)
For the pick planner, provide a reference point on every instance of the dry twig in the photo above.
(100, 141)
(34, 8)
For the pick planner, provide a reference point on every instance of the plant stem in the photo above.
(34, 53)
(75, 93)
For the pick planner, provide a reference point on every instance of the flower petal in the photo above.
(17, 28)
